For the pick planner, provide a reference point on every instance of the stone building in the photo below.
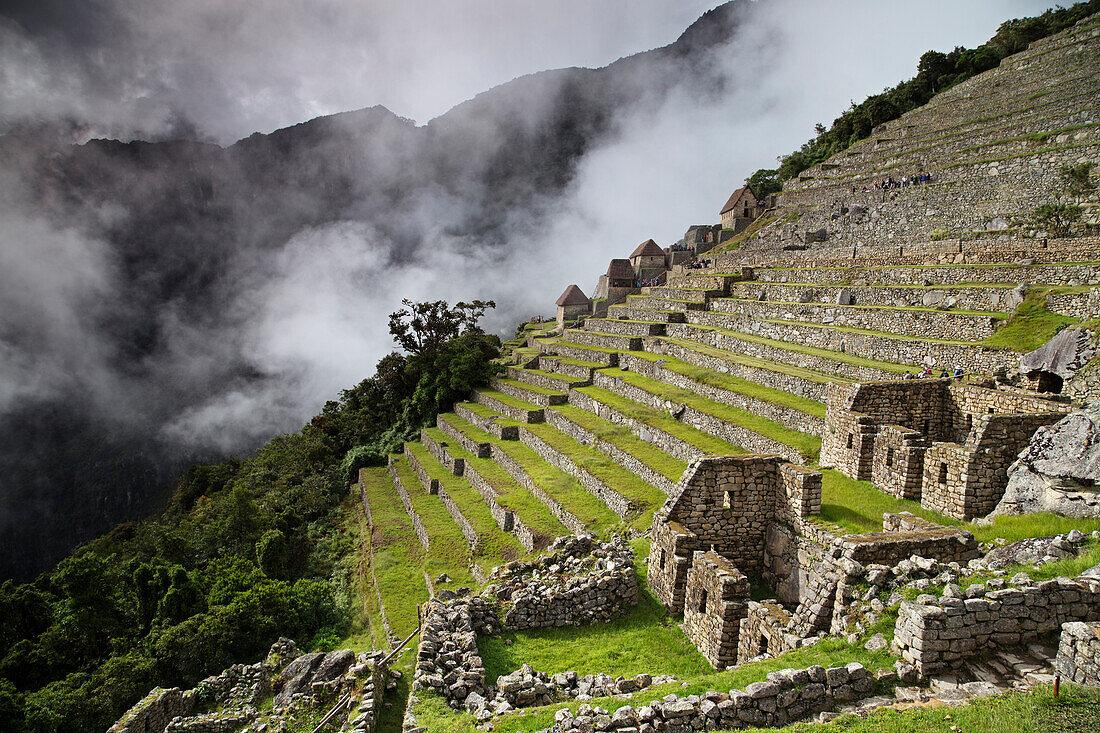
(740, 210)
(573, 304)
(945, 443)
(620, 281)
(732, 518)
(648, 260)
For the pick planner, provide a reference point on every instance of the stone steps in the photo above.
(549, 380)
(562, 494)
(529, 393)
(713, 418)
(803, 415)
(651, 315)
(921, 322)
(534, 526)
(653, 302)
(991, 297)
(602, 340)
(1045, 274)
(509, 406)
(865, 344)
(794, 380)
(825, 361)
(622, 327)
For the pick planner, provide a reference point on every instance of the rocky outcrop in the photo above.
(1063, 355)
(1035, 550)
(1058, 470)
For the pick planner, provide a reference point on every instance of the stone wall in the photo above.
(679, 449)
(624, 459)
(925, 324)
(611, 498)
(492, 425)
(602, 340)
(802, 387)
(786, 696)
(991, 298)
(937, 633)
(706, 422)
(521, 477)
(1079, 653)
(791, 418)
(406, 501)
(970, 357)
(763, 631)
(516, 413)
(778, 353)
(582, 581)
(449, 504)
(447, 660)
(842, 274)
(714, 606)
(520, 392)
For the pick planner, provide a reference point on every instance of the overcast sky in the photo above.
(222, 69)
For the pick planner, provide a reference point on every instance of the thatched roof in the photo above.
(620, 270)
(735, 198)
(648, 248)
(573, 296)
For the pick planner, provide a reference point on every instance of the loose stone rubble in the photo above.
(299, 683)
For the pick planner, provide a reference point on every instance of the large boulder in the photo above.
(1063, 355)
(1059, 470)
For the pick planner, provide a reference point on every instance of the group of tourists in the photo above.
(927, 373)
(648, 282)
(681, 248)
(891, 182)
(698, 264)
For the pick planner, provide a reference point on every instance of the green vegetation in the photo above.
(662, 421)
(758, 363)
(620, 437)
(644, 640)
(807, 445)
(936, 72)
(828, 354)
(1030, 326)
(1056, 219)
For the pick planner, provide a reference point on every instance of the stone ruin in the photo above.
(943, 443)
(295, 682)
(732, 518)
(579, 581)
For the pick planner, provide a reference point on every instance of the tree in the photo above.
(764, 182)
(1076, 178)
(421, 328)
(1056, 219)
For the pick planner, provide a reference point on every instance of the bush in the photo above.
(1056, 219)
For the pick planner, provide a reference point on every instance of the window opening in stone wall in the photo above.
(727, 500)
(943, 473)
(763, 644)
(889, 456)
(662, 559)
(927, 426)
(989, 410)
(850, 440)
(703, 601)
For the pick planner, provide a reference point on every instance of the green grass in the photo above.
(857, 507)
(644, 640)
(1031, 326)
(534, 389)
(637, 491)
(449, 552)
(494, 546)
(807, 445)
(557, 484)
(836, 356)
(509, 494)
(662, 421)
(398, 556)
(740, 386)
(620, 437)
(1075, 710)
(508, 400)
(565, 379)
(757, 363)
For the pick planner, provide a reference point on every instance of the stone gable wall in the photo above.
(714, 606)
